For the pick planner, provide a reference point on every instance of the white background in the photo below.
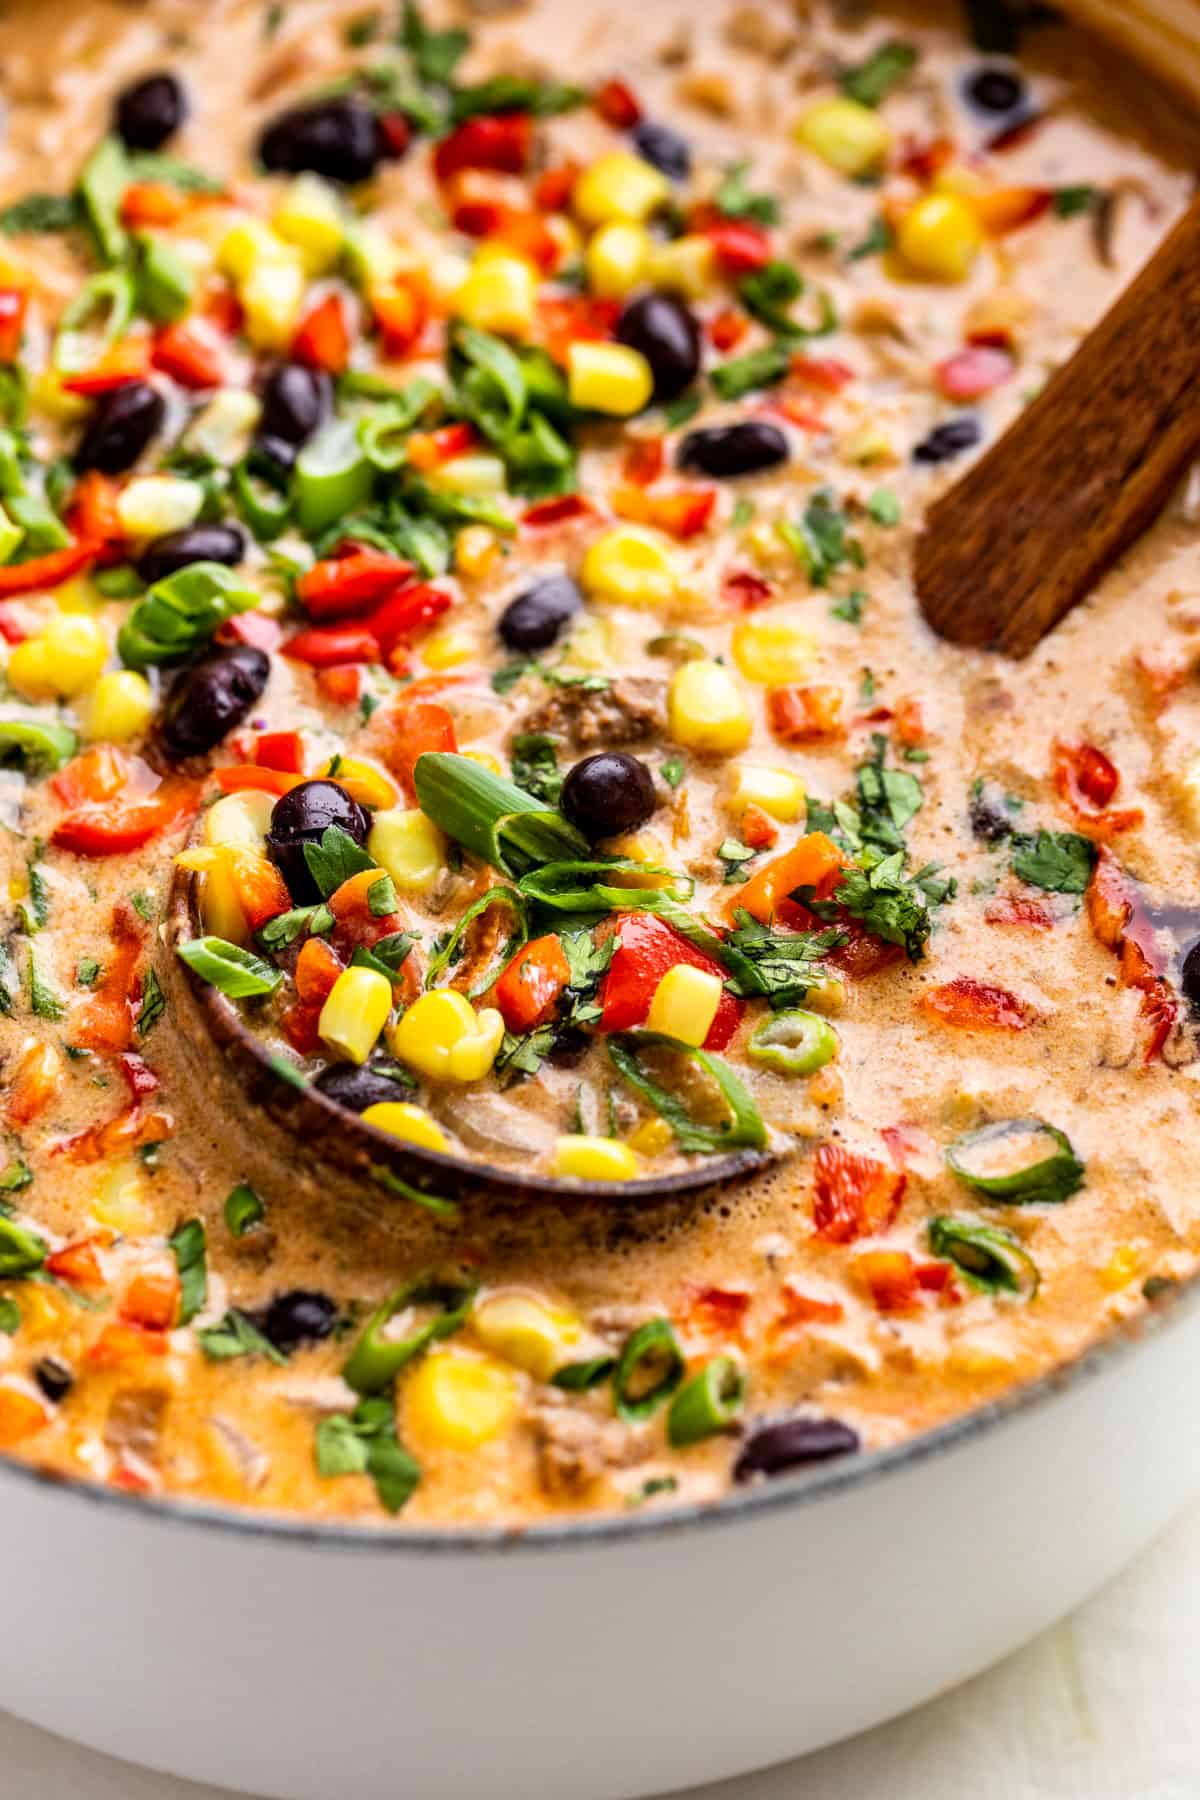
(1104, 1707)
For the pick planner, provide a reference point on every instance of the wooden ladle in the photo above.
(1033, 526)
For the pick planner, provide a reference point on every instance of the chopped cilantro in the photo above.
(1070, 201)
(779, 967)
(877, 241)
(673, 771)
(236, 1335)
(535, 766)
(335, 859)
(743, 512)
(680, 412)
(381, 897)
(888, 799)
(821, 541)
(87, 972)
(736, 200)
(143, 905)
(188, 1246)
(154, 1004)
(10, 1317)
(16, 1176)
(735, 855)
(1061, 862)
(851, 607)
(42, 998)
(40, 213)
(364, 1442)
(243, 1210)
(870, 82)
(884, 507)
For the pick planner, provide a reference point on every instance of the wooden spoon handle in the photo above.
(1082, 472)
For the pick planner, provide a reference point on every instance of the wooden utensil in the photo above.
(1162, 34)
(1029, 531)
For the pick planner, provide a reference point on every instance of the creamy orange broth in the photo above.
(745, 1274)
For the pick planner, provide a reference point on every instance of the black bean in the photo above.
(989, 815)
(150, 111)
(994, 89)
(295, 1318)
(302, 817)
(534, 619)
(54, 1378)
(948, 440)
(608, 793)
(726, 450)
(667, 334)
(121, 425)
(211, 698)
(198, 543)
(776, 1445)
(356, 1088)
(569, 1049)
(1189, 978)
(339, 139)
(665, 147)
(295, 401)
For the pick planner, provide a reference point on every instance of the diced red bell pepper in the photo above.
(341, 684)
(100, 773)
(350, 584)
(759, 829)
(151, 1299)
(105, 1020)
(727, 328)
(93, 515)
(137, 1074)
(282, 750)
(78, 1265)
(805, 715)
(116, 1137)
(910, 723)
(317, 971)
(745, 589)
(853, 1196)
(235, 778)
(890, 1278)
(123, 1343)
(554, 187)
(48, 571)
(970, 374)
(814, 862)
(13, 302)
(925, 160)
(258, 887)
(114, 829)
(503, 142)
(740, 245)
(189, 357)
(528, 990)
(221, 309)
(566, 319)
(410, 728)
(430, 449)
(799, 1310)
(322, 339)
(862, 956)
(299, 1024)
(401, 313)
(324, 646)
(152, 203)
(124, 363)
(410, 610)
(355, 924)
(1088, 781)
(31, 1082)
(254, 628)
(22, 1415)
(719, 1312)
(825, 373)
(397, 134)
(1017, 909)
(976, 1006)
(1007, 209)
(560, 509)
(644, 460)
(617, 105)
(646, 949)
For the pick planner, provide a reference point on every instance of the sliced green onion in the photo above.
(178, 615)
(575, 887)
(122, 582)
(383, 432)
(376, 1360)
(43, 528)
(102, 184)
(437, 1204)
(243, 1210)
(333, 475)
(21, 1251)
(577, 1377)
(990, 1259)
(236, 972)
(188, 1246)
(793, 1043)
(35, 744)
(709, 1402)
(744, 1127)
(491, 817)
(649, 1369)
(1018, 1162)
(79, 341)
(511, 902)
(261, 506)
(165, 283)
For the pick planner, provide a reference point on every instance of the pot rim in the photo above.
(602, 1530)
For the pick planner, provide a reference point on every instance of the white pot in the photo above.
(618, 1658)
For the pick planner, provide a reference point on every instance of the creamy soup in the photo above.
(458, 483)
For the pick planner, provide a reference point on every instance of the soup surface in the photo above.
(459, 478)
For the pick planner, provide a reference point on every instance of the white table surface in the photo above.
(1104, 1707)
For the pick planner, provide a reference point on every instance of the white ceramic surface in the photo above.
(611, 1661)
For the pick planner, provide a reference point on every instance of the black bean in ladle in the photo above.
(302, 817)
(667, 334)
(298, 1317)
(356, 1088)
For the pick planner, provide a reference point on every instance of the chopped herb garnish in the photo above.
(871, 82)
(364, 1442)
(16, 1176)
(41, 213)
(190, 1251)
(757, 369)
(10, 1317)
(673, 771)
(87, 972)
(884, 507)
(381, 897)
(736, 200)
(335, 859)
(154, 1004)
(535, 766)
(1070, 201)
(877, 242)
(682, 411)
(243, 1210)
(142, 905)
(42, 998)
(1061, 862)
(851, 607)
(236, 1336)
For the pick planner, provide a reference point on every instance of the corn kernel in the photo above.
(476, 551)
(362, 781)
(653, 1137)
(442, 1036)
(409, 847)
(684, 265)
(706, 709)
(565, 236)
(486, 760)
(608, 378)
(479, 477)
(525, 1332)
(579, 1158)
(940, 237)
(153, 505)
(868, 446)
(310, 217)
(246, 244)
(355, 1013)
(776, 792)
(590, 645)
(373, 259)
(848, 136)
(772, 651)
(828, 995)
(220, 908)
(980, 1361)
(62, 660)
(616, 259)
(459, 1400)
(638, 847)
(123, 1202)
(239, 821)
(48, 395)
(622, 186)
(412, 1124)
(45, 1312)
(272, 297)
(121, 707)
(499, 294)
(223, 428)
(685, 1004)
(10, 535)
(761, 540)
(1120, 1269)
(449, 649)
(628, 566)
